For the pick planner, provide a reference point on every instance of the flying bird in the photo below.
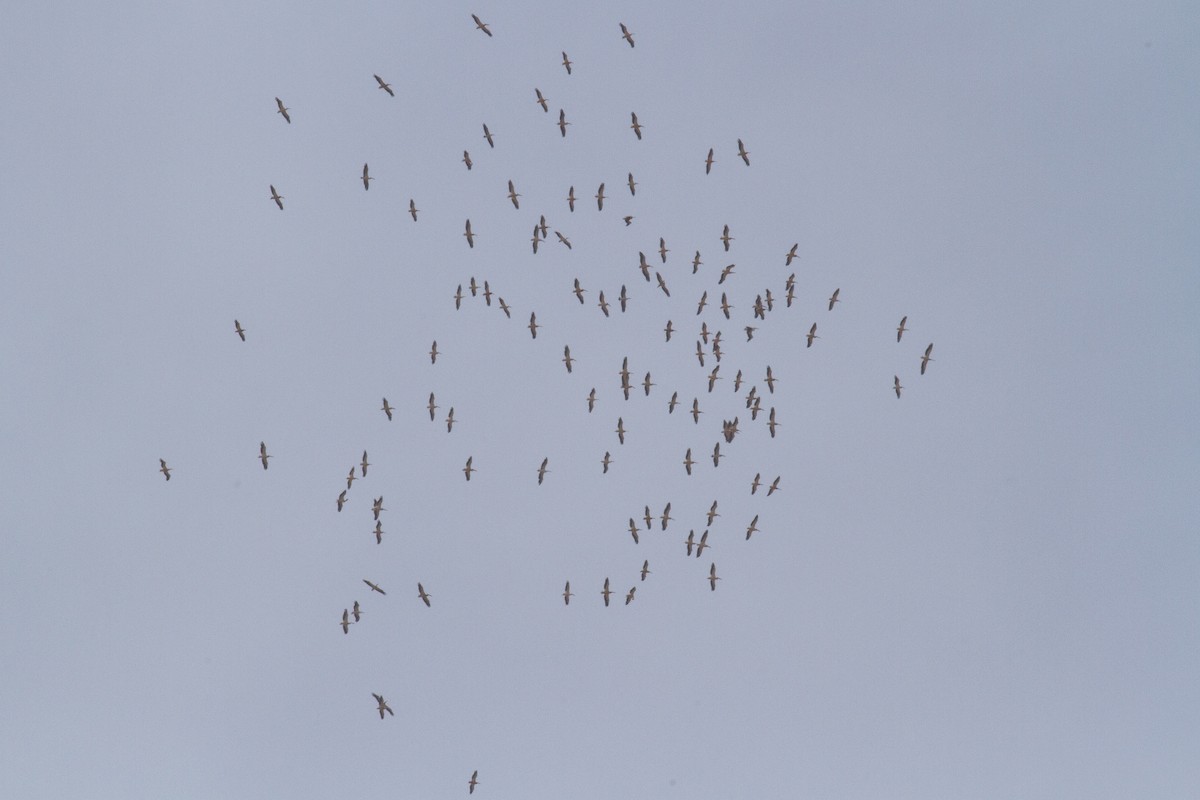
(900, 329)
(606, 592)
(481, 25)
(383, 706)
(345, 623)
(470, 236)
(621, 429)
(433, 353)
(662, 284)
(687, 461)
(283, 110)
(812, 334)
(604, 462)
(662, 249)
(717, 455)
(387, 87)
(567, 594)
(356, 611)
(570, 200)
(277, 197)
(467, 159)
(774, 487)
(712, 512)
(674, 401)
(770, 380)
(637, 128)
(364, 464)
(378, 533)
(696, 262)
(600, 198)
(533, 326)
(387, 409)
(624, 298)
(666, 516)
(703, 543)
(488, 135)
(754, 484)
(351, 478)
(591, 399)
(341, 501)
(626, 35)
(562, 122)
(771, 423)
(513, 195)
(791, 254)
(645, 568)
(696, 412)
(563, 239)
(712, 577)
(541, 473)
(450, 422)
(504, 307)
(578, 291)
(925, 359)
(241, 332)
(377, 507)
(424, 595)
(629, 597)
(432, 407)
(701, 304)
(752, 527)
(628, 218)
(725, 273)
(541, 101)
(726, 238)
(668, 330)
(412, 209)
(633, 530)
(833, 299)
(691, 541)
(632, 187)
(164, 469)
(366, 178)
(262, 453)
(566, 62)
(471, 784)
(897, 386)
(374, 586)
(743, 152)
(468, 469)
(709, 161)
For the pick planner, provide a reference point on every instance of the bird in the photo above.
(696, 412)
(649, 519)
(701, 304)
(356, 611)
(674, 401)
(629, 597)
(712, 512)
(833, 298)
(696, 262)
(709, 161)
(646, 384)
(752, 527)
(725, 273)
(345, 620)
(812, 334)
(378, 533)
(632, 187)
(771, 423)
(668, 330)
(563, 239)
(387, 87)
(567, 594)
(687, 461)
(774, 487)
(364, 464)
(633, 530)
(164, 469)
(666, 516)
(387, 409)
(717, 455)
(542, 225)
(433, 353)
(541, 101)
(241, 332)
(662, 284)
(725, 305)
(377, 507)
(900, 329)
(604, 462)
(504, 307)
(533, 326)
(481, 25)
(570, 201)
(468, 469)
(350, 478)
(262, 453)
(562, 122)
(898, 387)
(644, 266)
(412, 209)
(600, 198)
(471, 784)
(591, 399)
(341, 501)
(432, 407)
(637, 128)
(277, 197)
(624, 298)
(743, 152)
(703, 543)
(474, 287)
(366, 178)
(536, 238)
(754, 484)
(383, 706)
(628, 218)
(567, 357)
(662, 249)
(466, 159)
(470, 236)
(450, 422)
(626, 35)
(424, 595)
(770, 380)
(283, 110)
(621, 429)
(374, 586)
(791, 254)
(925, 359)
(566, 62)
(713, 377)
(606, 592)
(541, 473)
(750, 329)
(712, 577)
(645, 568)
(691, 541)
(726, 238)
(513, 195)
(488, 135)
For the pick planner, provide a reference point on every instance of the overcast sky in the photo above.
(984, 588)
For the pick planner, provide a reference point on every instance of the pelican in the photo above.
(562, 122)
(481, 25)
(725, 273)
(474, 287)
(345, 620)
(633, 530)
(771, 423)
(709, 161)
(925, 359)
(649, 518)
(666, 516)
(262, 453)
(606, 592)
(383, 706)
(691, 541)
(621, 429)
(645, 568)
(283, 110)
(591, 399)
(467, 159)
(791, 254)
(770, 301)
(812, 334)
(471, 784)
(626, 35)
(668, 330)
(737, 382)
(350, 478)
(513, 195)
(743, 152)
(378, 533)
(424, 595)
(833, 299)
(356, 611)
(703, 543)
(566, 62)
(468, 469)
(374, 586)
(624, 298)
(632, 189)
(629, 597)
(717, 455)
(536, 238)
(696, 412)
(571, 199)
(662, 249)
(567, 594)
(726, 238)
(752, 527)
(662, 284)
(712, 512)
(898, 387)
(277, 197)
(600, 198)
(687, 461)
(791, 295)
(754, 484)
(770, 380)
(470, 236)
(646, 384)
(774, 487)
(164, 469)
(725, 305)
(643, 266)
(674, 401)
(387, 409)
(696, 262)
(541, 101)
(900, 329)
(578, 291)
(412, 209)
(712, 577)
(432, 407)
(341, 500)
(504, 307)
(387, 87)
(487, 293)
(604, 462)
(541, 473)
(701, 304)
(377, 507)
(366, 178)
(542, 224)
(713, 377)
(241, 332)
(563, 239)
(533, 326)
(628, 220)
(637, 128)
(488, 135)
(433, 353)
(450, 420)
(750, 329)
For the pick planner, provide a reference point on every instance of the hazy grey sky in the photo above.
(984, 589)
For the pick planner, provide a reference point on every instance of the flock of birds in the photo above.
(708, 346)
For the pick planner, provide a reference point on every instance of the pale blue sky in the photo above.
(985, 589)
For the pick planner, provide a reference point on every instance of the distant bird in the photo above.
(713, 377)
(468, 469)
(387, 409)
(474, 287)
(726, 238)
(513, 195)
(424, 595)
(674, 401)
(791, 254)
(364, 464)
(567, 594)
(378, 533)
(770, 380)
(925, 359)
(717, 455)
(366, 178)
(533, 326)
(771, 423)
(712, 513)
(383, 706)
(691, 541)
(377, 507)
(752, 527)
(504, 307)
(578, 291)
(277, 197)
(433, 353)
(812, 334)
(645, 568)
(600, 198)
(356, 611)
(488, 135)
(701, 304)
(709, 161)
(387, 87)
(900, 329)
(471, 784)
(536, 238)
(432, 407)
(774, 487)
(621, 429)
(563, 239)
(668, 330)
(412, 209)
(570, 199)
(725, 305)
(725, 273)
(487, 293)
(644, 266)
(687, 461)
(633, 530)
(624, 298)
(283, 110)
(566, 62)
(833, 299)
(241, 332)
(350, 478)
(562, 122)
(262, 453)
(626, 35)
(541, 473)
(662, 284)
(374, 586)
(541, 101)
(481, 25)
(637, 128)
(606, 592)
(345, 620)
(754, 484)
(743, 152)
(702, 544)
(628, 218)
(164, 469)
(458, 297)
(696, 262)
(647, 384)
(632, 186)
(542, 225)
(666, 516)
(750, 329)
(604, 462)
(450, 422)
(696, 412)
(629, 597)
(591, 399)
(712, 577)
(469, 236)
(466, 159)
(567, 357)
(898, 387)
(662, 249)
(341, 501)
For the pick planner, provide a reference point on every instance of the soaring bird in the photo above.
(674, 401)
(669, 330)
(774, 487)
(466, 159)
(629, 597)
(713, 377)
(533, 326)
(591, 399)
(604, 462)
(725, 305)
(383, 706)
(567, 594)
(600, 198)
(712, 512)
(833, 298)
(696, 262)
(812, 334)
(356, 611)
(283, 110)
(541, 473)
(632, 187)
(241, 332)
(633, 530)
(791, 254)
(562, 122)
(366, 178)
(432, 407)
(743, 152)
(566, 62)
(709, 161)
(900, 329)
(504, 307)
(646, 384)
(726, 238)
(277, 197)
(712, 577)
(621, 429)
(345, 623)
(696, 412)
(458, 297)
(378, 533)
(925, 359)
(644, 266)
(752, 527)
(666, 516)
(513, 195)
(387, 87)
(687, 461)
(578, 291)
(571, 199)
(341, 501)
(662, 249)
(771, 423)
(637, 128)
(754, 484)
(628, 218)
(563, 239)
(471, 784)
(567, 357)
(645, 568)
(164, 469)
(725, 273)
(624, 298)
(481, 25)
(488, 135)
(412, 209)
(626, 35)
(703, 543)
(377, 507)
(433, 353)
(470, 236)
(541, 101)
(351, 478)
(717, 455)
(536, 238)
(898, 387)
(387, 409)
(450, 420)
(262, 453)
(770, 380)
(649, 519)
(691, 541)
(424, 595)
(468, 469)
(374, 586)
(701, 304)
(606, 592)
(662, 284)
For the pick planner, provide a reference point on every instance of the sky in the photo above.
(984, 588)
